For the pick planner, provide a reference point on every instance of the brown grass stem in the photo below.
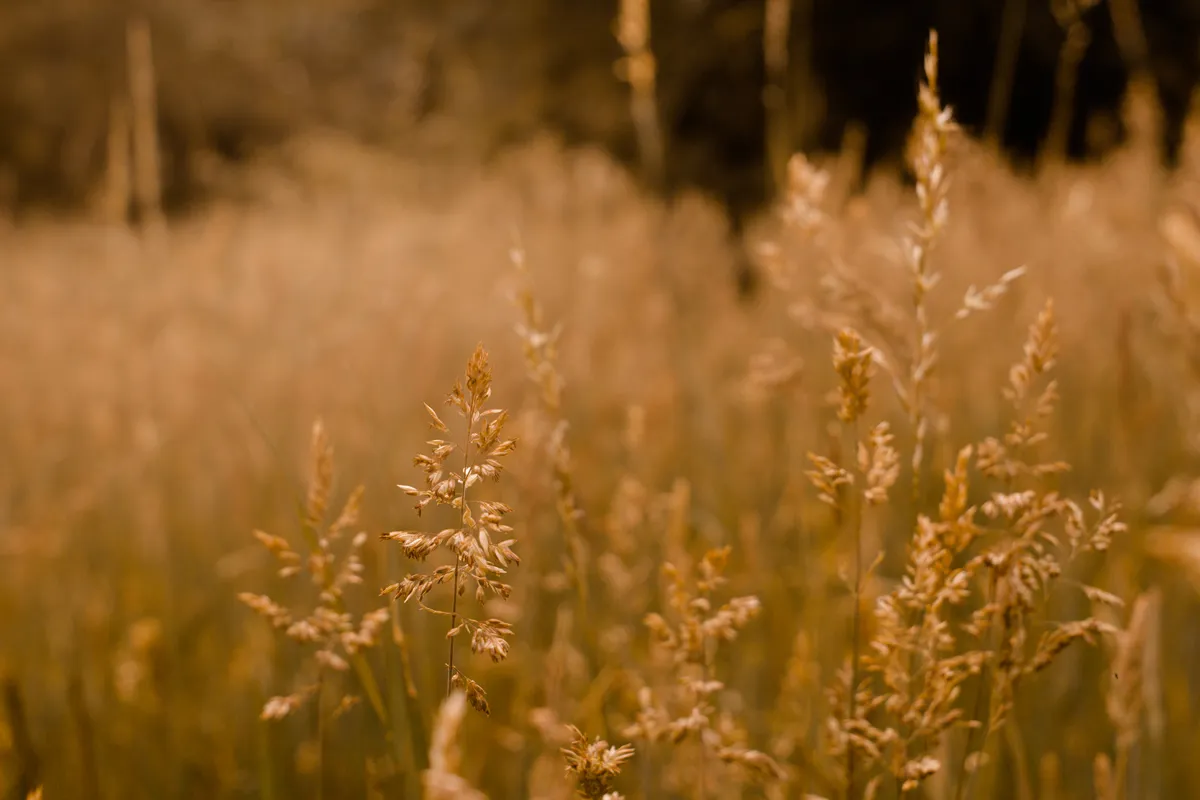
(144, 104)
(319, 710)
(1076, 38)
(982, 700)
(854, 527)
(1012, 26)
(28, 765)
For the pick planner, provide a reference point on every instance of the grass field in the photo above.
(948, 457)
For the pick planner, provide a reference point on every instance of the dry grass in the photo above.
(771, 575)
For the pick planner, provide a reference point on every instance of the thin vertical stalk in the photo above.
(458, 556)
(28, 766)
(702, 776)
(86, 734)
(320, 736)
(453, 624)
(854, 527)
(983, 696)
(1012, 26)
(1077, 38)
(147, 178)
(266, 756)
(639, 70)
(418, 737)
(776, 27)
(1020, 756)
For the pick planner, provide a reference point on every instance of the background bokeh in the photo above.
(342, 182)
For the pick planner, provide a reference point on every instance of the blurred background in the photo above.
(221, 221)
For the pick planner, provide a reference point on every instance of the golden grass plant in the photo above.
(912, 547)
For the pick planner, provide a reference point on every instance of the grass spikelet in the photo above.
(595, 765)
(333, 562)
(481, 552)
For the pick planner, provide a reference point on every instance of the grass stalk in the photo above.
(854, 528)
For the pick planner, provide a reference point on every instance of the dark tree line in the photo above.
(234, 78)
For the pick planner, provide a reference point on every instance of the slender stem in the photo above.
(984, 692)
(702, 775)
(1121, 772)
(27, 765)
(775, 92)
(86, 735)
(366, 677)
(266, 782)
(1000, 95)
(320, 737)
(633, 33)
(543, 373)
(1020, 756)
(453, 623)
(1066, 78)
(458, 556)
(854, 519)
(418, 739)
(567, 511)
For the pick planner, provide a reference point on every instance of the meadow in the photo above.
(916, 520)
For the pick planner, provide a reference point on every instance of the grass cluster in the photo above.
(915, 525)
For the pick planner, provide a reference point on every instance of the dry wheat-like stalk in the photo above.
(934, 128)
(932, 132)
(540, 348)
(481, 553)
(333, 563)
(626, 566)
(905, 346)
